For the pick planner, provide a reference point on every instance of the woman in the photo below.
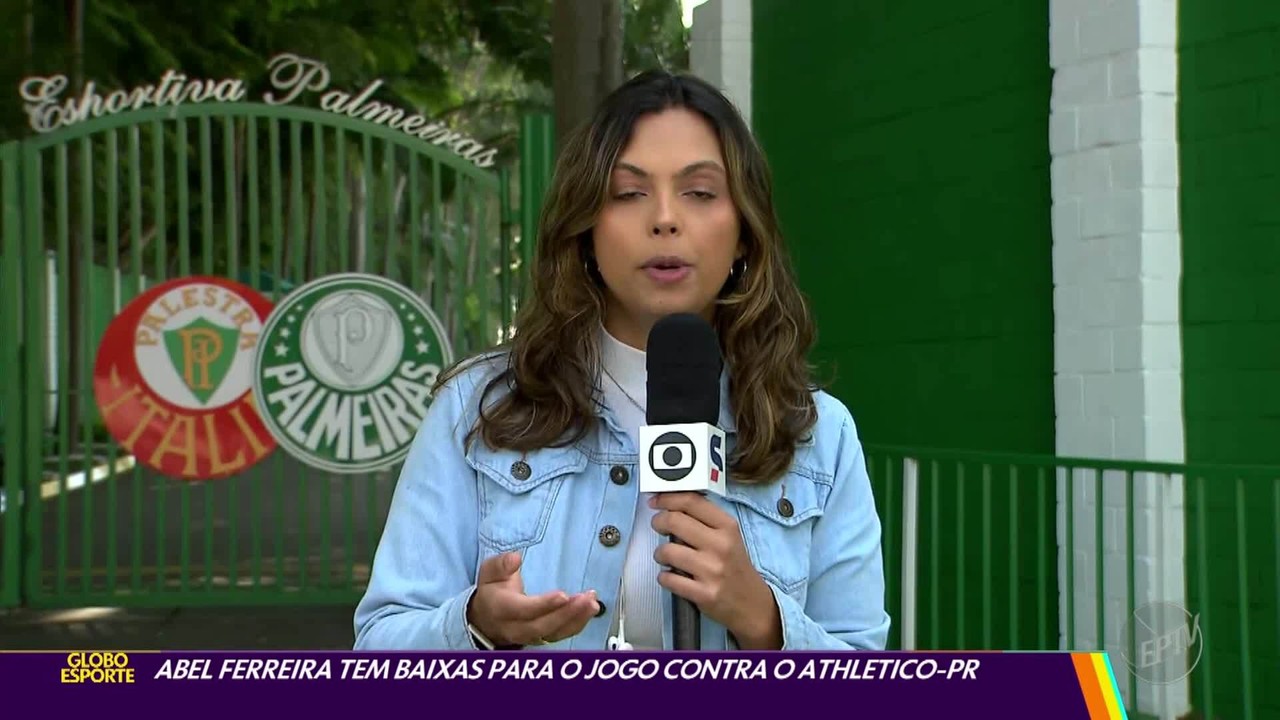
(522, 524)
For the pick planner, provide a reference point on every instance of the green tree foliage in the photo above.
(478, 64)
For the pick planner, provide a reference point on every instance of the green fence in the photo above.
(272, 196)
(1094, 574)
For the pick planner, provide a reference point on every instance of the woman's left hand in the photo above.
(723, 583)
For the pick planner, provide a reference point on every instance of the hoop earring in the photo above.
(739, 272)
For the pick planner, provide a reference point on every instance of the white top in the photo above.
(625, 388)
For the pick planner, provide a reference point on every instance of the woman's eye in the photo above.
(703, 194)
(627, 195)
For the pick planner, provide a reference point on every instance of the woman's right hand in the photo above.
(500, 609)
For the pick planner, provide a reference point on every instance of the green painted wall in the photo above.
(910, 147)
(909, 144)
(1229, 136)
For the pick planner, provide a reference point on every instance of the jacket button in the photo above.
(619, 475)
(520, 470)
(610, 535)
(785, 508)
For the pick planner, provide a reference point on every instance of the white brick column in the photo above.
(720, 49)
(1116, 267)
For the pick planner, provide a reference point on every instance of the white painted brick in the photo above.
(1067, 306)
(1159, 118)
(1127, 348)
(1126, 163)
(1094, 175)
(1161, 255)
(1084, 351)
(1130, 439)
(1162, 349)
(1117, 348)
(1160, 300)
(736, 31)
(708, 15)
(1068, 394)
(1126, 302)
(1071, 442)
(1163, 393)
(1116, 574)
(1098, 391)
(1159, 69)
(736, 11)
(1064, 44)
(1146, 534)
(1096, 217)
(1124, 394)
(1145, 70)
(1158, 23)
(1160, 209)
(1081, 83)
(1115, 213)
(1150, 491)
(1127, 208)
(1070, 258)
(1151, 164)
(1111, 123)
(1097, 303)
(1063, 171)
(1064, 131)
(1125, 256)
(1064, 14)
(1124, 74)
(1114, 483)
(1102, 437)
(720, 49)
(1160, 164)
(1109, 30)
(1111, 530)
(1065, 217)
(1166, 442)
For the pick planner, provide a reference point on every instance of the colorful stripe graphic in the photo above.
(1098, 683)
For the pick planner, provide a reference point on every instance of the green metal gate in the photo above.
(271, 196)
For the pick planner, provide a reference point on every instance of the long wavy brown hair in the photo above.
(762, 319)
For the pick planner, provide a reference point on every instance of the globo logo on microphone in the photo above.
(682, 457)
(672, 456)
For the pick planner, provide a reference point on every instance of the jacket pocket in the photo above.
(777, 525)
(517, 492)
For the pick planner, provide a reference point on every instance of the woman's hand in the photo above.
(723, 583)
(500, 609)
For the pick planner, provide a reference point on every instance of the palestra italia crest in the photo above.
(173, 378)
(344, 373)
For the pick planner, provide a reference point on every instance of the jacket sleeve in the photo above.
(423, 572)
(845, 605)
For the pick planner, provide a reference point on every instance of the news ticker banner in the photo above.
(995, 684)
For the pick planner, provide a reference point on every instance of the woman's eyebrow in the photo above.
(688, 169)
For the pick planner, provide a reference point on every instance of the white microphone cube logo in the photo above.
(672, 456)
(682, 457)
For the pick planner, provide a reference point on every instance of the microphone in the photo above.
(681, 447)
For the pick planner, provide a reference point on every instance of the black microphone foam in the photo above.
(683, 363)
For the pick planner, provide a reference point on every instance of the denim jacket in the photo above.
(569, 512)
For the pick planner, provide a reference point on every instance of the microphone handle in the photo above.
(686, 622)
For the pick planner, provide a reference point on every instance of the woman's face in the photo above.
(667, 236)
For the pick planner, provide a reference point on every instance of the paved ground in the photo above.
(177, 629)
